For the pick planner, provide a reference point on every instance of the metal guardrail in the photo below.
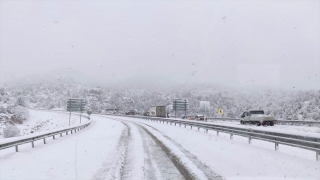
(305, 142)
(31, 139)
(278, 121)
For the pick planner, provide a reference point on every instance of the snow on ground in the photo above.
(76, 156)
(42, 120)
(109, 147)
(236, 159)
(144, 158)
(298, 130)
(289, 129)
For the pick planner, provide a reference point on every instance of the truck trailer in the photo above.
(157, 111)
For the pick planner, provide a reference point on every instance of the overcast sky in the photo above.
(274, 44)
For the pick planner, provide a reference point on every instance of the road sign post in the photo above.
(180, 105)
(76, 104)
(220, 111)
(69, 117)
(204, 107)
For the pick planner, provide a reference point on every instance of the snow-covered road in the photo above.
(109, 148)
(76, 156)
(126, 148)
(138, 156)
(236, 159)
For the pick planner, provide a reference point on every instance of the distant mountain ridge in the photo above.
(302, 105)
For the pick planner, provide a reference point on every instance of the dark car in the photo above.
(130, 113)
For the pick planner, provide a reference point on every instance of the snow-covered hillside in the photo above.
(297, 105)
(42, 120)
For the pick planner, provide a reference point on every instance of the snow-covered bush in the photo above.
(2, 109)
(10, 109)
(20, 102)
(21, 112)
(11, 131)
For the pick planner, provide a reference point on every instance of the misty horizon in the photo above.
(245, 44)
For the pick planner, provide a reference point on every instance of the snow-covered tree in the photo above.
(20, 102)
(11, 131)
(21, 112)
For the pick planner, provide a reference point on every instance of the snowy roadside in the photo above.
(302, 130)
(42, 120)
(76, 156)
(297, 130)
(236, 159)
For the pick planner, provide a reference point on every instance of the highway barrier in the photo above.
(287, 122)
(32, 138)
(305, 142)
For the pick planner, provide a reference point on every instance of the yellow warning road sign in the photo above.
(220, 111)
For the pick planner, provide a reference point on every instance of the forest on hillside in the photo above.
(287, 105)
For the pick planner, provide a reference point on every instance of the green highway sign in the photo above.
(180, 105)
(76, 104)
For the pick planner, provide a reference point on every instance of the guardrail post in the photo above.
(179, 124)
(185, 126)
(71, 131)
(17, 148)
(66, 132)
(44, 141)
(32, 144)
(206, 130)
(217, 133)
(198, 128)
(60, 134)
(317, 155)
(231, 136)
(170, 123)
(175, 124)
(249, 140)
(190, 127)
(276, 146)
(53, 137)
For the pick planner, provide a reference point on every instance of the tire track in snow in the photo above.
(76, 159)
(204, 168)
(113, 169)
(155, 162)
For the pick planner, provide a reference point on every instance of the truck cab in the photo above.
(257, 117)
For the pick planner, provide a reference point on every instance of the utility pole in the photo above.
(185, 110)
(69, 117)
(69, 105)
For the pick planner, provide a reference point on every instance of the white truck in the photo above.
(158, 111)
(257, 117)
